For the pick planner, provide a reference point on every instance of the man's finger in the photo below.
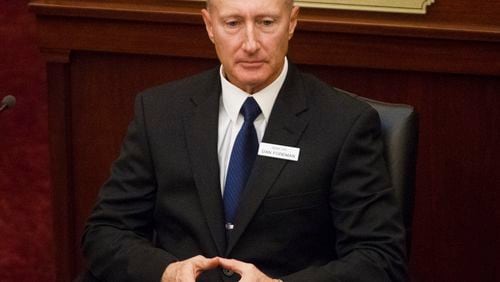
(233, 265)
(188, 270)
(202, 263)
(247, 271)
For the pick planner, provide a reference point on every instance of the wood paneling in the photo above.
(445, 63)
(60, 165)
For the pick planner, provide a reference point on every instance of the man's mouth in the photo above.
(251, 64)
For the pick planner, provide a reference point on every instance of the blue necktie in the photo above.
(242, 158)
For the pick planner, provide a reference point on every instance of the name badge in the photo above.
(279, 151)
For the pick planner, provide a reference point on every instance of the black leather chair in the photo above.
(400, 133)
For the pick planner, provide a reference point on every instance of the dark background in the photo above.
(26, 246)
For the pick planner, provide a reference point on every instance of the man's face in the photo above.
(251, 39)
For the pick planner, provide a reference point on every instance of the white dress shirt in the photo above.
(230, 119)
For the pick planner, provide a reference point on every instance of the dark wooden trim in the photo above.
(395, 25)
(396, 53)
(60, 167)
(143, 12)
(310, 19)
(55, 55)
(331, 41)
(119, 36)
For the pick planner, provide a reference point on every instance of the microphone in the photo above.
(8, 101)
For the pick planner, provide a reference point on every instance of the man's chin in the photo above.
(250, 76)
(252, 85)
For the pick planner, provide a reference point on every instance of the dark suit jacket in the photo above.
(331, 216)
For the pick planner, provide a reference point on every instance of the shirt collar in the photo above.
(233, 97)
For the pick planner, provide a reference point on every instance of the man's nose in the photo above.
(251, 43)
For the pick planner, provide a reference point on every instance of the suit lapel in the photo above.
(288, 121)
(201, 132)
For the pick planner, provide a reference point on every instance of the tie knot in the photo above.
(250, 109)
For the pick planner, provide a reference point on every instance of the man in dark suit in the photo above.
(192, 198)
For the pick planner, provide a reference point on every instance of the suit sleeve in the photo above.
(117, 242)
(367, 220)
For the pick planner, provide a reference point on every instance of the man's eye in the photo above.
(266, 22)
(232, 24)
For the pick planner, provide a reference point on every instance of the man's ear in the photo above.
(293, 21)
(208, 24)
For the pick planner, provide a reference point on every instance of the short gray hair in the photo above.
(289, 3)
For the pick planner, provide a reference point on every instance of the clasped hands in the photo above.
(188, 270)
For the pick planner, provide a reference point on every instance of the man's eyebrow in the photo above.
(268, 16)
(237, 14)
(231, 16)
(257, 17)
(274, 14)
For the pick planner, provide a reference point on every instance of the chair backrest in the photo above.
(400, 134)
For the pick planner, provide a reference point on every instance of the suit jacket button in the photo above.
(228, 272)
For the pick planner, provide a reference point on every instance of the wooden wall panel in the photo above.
(445, 63)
